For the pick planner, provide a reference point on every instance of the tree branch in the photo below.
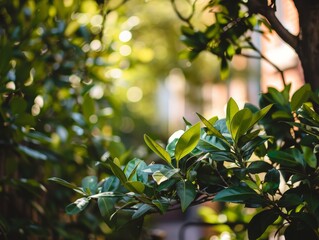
(260, 7)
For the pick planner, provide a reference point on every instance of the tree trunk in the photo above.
(308, 47)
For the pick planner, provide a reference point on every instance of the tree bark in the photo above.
(308, 45)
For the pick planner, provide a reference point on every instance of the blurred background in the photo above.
(81, 79)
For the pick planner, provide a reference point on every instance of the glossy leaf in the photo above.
(158, 149)
(162, 204)
(231, 110)
(117, 171)
(258, 167)
(240, 123)
(106, 206)
(187, 142)
(260, 222)
(111, 184)
(236, 194)
(300, 96)
(164, 174)
(141, 211)
(78, 206)
(66, 184)
(135, 186)
(309, 156)
(211, 129)
(186, 192)
(272, 181)
(89, 184)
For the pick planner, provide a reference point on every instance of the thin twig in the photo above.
(262, 56)
(180, 15)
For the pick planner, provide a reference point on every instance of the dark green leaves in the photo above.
(272, 181)
(186, 193)
(260, 222)
(237, 194)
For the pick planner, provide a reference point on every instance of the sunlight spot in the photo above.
(68, 3)
(39, 101)
(96, 45)
(75, 81)
(125, 36)
(97, 92)
(133, 21)
(125, 50)
(35, 110)
(96, 20)
(86, 48)
(11, 85)
(134, 94)
(114, 73)
(83, 18)
(93, 119)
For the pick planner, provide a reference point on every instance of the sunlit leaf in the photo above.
(187, 142)
(231, 110)
(164, 174)
(135, 186)
(158, 149)
(300, 96)
(117, 171)
(78, 206)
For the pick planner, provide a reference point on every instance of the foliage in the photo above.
(57, 112)
(227, 160)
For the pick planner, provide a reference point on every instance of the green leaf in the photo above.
(260, 114)
(135, 186)
(67, 184)
(186, 192)
(117, 171)
(258, 167)
(309, 156)
(142, 210)
(240, 123)
(162, 204)
(236, 194)
(300, 96)
(131, 168)
(187, 142)
(272, 181)
(78, 206)
(290, 199)
(260, 222)
(106, 207)
(231, 110)
(158, 149)
(211, 129)
(286, 157)
(111, 184)
(89, 184)
(162, 175)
